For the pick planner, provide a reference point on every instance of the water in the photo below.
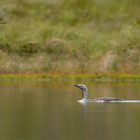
(50, 111)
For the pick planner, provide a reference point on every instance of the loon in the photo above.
(101, 99)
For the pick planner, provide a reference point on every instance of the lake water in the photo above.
(50, 111)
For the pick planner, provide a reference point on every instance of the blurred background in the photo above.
(70, 36)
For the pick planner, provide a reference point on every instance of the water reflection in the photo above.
(43, 110)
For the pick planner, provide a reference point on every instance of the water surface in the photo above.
(50, 111)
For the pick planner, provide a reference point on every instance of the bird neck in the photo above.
(84, 94)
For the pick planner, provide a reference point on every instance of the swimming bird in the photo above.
(85, 99)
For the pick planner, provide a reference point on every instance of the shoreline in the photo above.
(113, 77)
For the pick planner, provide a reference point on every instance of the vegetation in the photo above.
(78, 77)
(95, 37)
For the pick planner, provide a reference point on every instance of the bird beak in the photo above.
(76, 85)
(80, 88)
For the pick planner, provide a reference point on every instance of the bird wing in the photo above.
(106, 99)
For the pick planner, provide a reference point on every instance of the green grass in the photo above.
(70, 36)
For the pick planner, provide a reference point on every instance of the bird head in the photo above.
(84, 90)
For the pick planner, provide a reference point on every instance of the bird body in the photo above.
(85, 99)
(106, 99)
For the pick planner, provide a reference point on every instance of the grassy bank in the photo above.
(70, 37)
